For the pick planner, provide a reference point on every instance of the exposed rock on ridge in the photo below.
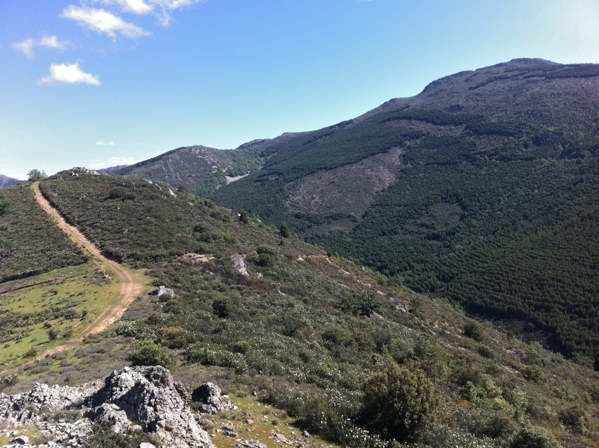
(144, 398)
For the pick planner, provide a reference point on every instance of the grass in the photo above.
(253, 420)
(62, 302)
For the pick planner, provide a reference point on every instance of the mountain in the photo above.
(6, 181)
(198, 169)
(482, 189)
(300, 340)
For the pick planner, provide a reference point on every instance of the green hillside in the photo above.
(346, 353)
(482, 189)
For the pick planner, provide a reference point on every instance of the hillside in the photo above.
(482, 189)
(274, 318)
(6, 181)
(199, 169)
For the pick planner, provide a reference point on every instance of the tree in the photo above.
(4, 203)
(35, 175)
(284, 230)
(398, 403)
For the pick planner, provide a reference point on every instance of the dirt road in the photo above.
(132, 283)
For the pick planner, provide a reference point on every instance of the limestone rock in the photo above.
(144, 398)
(163, 291)
(239, 265)
(210, 395)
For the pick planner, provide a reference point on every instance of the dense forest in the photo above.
(494, 205)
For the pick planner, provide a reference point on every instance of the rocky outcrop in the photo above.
(145, 398)
(239, 265)
(163, 291)
(210, 395)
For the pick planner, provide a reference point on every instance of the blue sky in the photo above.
(99, 83)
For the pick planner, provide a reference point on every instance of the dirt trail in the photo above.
(132, 283)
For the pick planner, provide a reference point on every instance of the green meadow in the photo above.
(44, 311)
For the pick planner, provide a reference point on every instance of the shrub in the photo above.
(284, 230)
(148, 353)
(267, 255)
(534, 373)
(398, 403)
(222, 307)
(8, 380)
(4, 203)
(474, 330)
(30, 353)
(362, 303)
(575, 418)
(534, 437)
(53, 334)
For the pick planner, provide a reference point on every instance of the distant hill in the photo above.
(6, 181)
(198, 169)
(482, 188)
(113, 169)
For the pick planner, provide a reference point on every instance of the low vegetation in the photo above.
(322, 338)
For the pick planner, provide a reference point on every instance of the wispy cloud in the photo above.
(70, 74)
(103, 143)
(165, 7)
(161, 9)
(27, 46)
(103, 21)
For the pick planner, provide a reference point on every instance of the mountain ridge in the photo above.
(491, 158)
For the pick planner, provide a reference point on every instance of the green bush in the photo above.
(222, 307)
(148, 353)
(534, 373)
(575, 418)
(4, 203)
(284, 230)
(398, 403)
(534, 437)
(267, 256)
(474, 330)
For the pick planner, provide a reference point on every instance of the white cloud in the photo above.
(28, 45)
(166, 6)
(103, 21)
(136, 6)
(103, 143)
(161, 9)
(70, 74)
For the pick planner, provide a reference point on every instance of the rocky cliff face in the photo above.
(134, 398)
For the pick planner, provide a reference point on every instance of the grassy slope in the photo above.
(296, 335)
(63, 302)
